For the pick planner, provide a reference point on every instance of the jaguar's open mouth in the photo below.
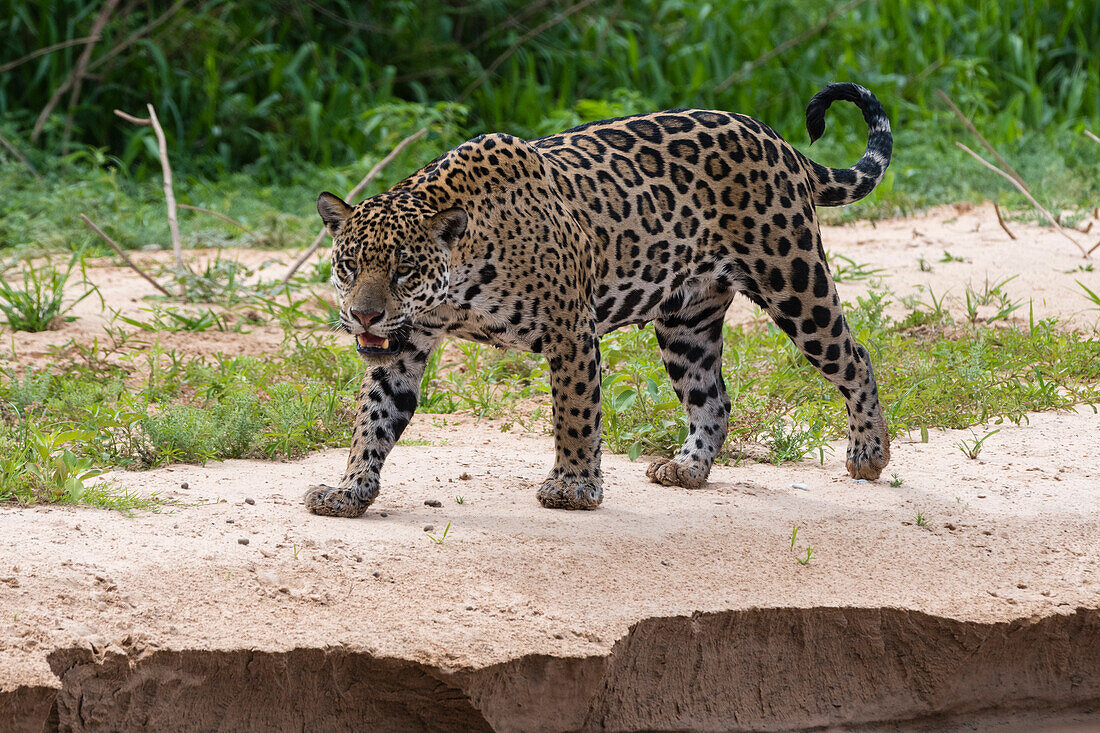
(368, 343)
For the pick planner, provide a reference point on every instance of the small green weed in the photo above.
(948, 257)
(921, 520)
(896, 480)
(972, 448)
(39, 304)
(60, 475)
(172, 319)
(439, 540)
(805, 560)
(845, 269)
(459, 500)
(1092, 296)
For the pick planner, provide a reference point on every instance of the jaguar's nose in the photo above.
(366, 318)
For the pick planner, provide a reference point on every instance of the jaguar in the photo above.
(545, 245)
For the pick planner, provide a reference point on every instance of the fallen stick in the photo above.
(22, 159)
(122, 254)
(1088, 133)
(1001, 221)
(1026, 193)
(974, 131)
(371, 174)
(223, 217)
(169, 194)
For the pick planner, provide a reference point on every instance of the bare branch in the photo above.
(1001, 221)
(76, 77)
(223, 217)
(22, 159)
(1088, 133)
(748, 68)
(371, 174)
(974, 131)
(169, 195)
(127, 260)
(137, 35)
(142, 121)
(1026, 193)
(43, 51)
(540, 28)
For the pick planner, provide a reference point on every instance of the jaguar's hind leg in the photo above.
(801, 297)
(691, 347)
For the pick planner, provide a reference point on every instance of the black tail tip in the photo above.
(815, 110)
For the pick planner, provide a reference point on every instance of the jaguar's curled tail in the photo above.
(839, 186)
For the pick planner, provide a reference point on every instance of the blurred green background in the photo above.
(265, 103)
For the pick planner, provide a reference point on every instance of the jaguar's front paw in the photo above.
(570, 493)
(670, 473)
(329, 501)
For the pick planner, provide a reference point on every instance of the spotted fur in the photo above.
(545, 245)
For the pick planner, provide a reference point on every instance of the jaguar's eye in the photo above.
(403, 270)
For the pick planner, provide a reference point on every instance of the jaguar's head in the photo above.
(390, 257)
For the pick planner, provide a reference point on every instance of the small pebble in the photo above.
(184, 486)
(469, 608)
(429, 527)
(249, 501)
(804, 487)
(665, 563)
(383, 514)
(464, 476)
(230, 521)
(981, 496)
(242, 541)
(376, 574)
(433, 502)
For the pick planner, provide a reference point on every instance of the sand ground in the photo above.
(664, 609)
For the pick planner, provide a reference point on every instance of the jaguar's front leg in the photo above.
(387, 399)
(575, 481)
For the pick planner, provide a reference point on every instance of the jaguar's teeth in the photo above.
(385, 343)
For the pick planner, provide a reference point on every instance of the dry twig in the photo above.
(974, 131)
(371, 174)
(76, 77)
(1023, 189)
(169, 194)
(127, 260)
(751, 66)
(22, 159)
(43, 51)
(540, 28)
(1088, 133)
(1001, 221)
(137, 35)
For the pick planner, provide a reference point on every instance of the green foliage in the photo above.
(57, 470)
(39, 304)
(259, 85)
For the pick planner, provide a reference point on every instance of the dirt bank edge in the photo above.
(755, 669)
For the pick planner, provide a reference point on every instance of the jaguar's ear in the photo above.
(448, 225)
(334, 212)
